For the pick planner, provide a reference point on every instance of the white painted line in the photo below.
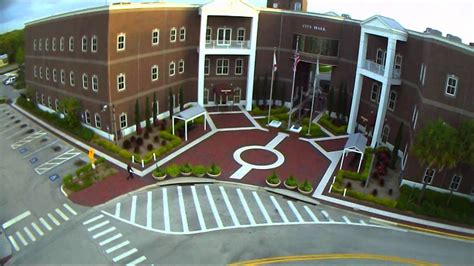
(149, 209)
(133, 209)
(73, 212)
(22, 239)
(40, 149)
(45, 224)
(30, 235)
(136, 261)
(110, 239)
(280, 210)
(295, 212)
(97, 226)
(52, 218)
(182, 209)
(114, 248)
(262, 208)
(202, 224)
(362, 222)
(58, 211)
(93, 219)
(311, 214)
(246, 207)
(15, 219)
(213, 207)
(346, 219)
(327, 216)
(117, 209)
(166, 212)
(124, 255)
(15, 245)
(37, 229)
(275, 141)
(229, 206)
(106, 231)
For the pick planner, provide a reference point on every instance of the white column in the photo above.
(358, 83)
(202, 58)
(251, 63)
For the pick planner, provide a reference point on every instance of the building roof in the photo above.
(357, 142)
(189, 113)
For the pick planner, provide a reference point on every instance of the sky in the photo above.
(449, 16)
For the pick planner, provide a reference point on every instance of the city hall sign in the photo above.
(314, 27)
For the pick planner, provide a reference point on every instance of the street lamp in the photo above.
(112, 110)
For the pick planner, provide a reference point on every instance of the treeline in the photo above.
(13, 43)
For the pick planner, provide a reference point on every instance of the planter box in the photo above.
(186, 174)
(289, 187)
(159, 178)
(305, 192)
(212, 175)
(273, 185)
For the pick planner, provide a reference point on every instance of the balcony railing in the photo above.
(215, 44)
(380, 69)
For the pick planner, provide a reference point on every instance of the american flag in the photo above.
(297, 60)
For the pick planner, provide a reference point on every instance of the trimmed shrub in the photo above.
(146, 135)
(173, 170)
(136, 149)
(149, 147)
(186, 168)
(291, 181)
(374, 192)
(156, 139)
(326, 122)
(126, 144)
(133, 139)
(306, 186)
(139, 141)
(273, 178)
(214, 169)
(368, 197)
(198, 170)
(159, 171)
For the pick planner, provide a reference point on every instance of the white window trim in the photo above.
(97, 125)
(416, 120)
(56, 105)
(172, 63)
(241, 67)
(157, 73)
(84, 44)
(224, 42)
(398, 64)
(42, 99)
(217, 67)
(124, 82)
(53, 44)
(392, 92)
(452, 181)
(41, 72)
(71, 44)
(181, 66)
(157, 31)
(87, 114)
(386, 128)
(237, 94)
(50, 103)
(35, 71)
(173, 33)
(46, 44)
(207, 65)
(72, 79)
(384, 55)
(448, 77)
(210, 35)
(34, 44)
(413, 115)
(120, 120)
(55, 75)
(238, 30)
(124, 41)
(96, 78)
(46, 73)
(61, 44)
(40, 44)
(182, 36)
(378, 92)
(85, 85)
(424, 175)
(63, 76)
(94, 40)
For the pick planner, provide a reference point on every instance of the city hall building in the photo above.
(109, 57)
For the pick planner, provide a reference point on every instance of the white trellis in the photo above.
(356, 143)
(189, 115)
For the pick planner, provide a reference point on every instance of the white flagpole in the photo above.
(271, 86)
(293, 84)
(312, 101)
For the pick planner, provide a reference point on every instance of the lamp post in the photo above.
(112, 110)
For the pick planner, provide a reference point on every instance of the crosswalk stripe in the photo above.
(106, 231)
(166, 212)
(30, 235)
(98, 226)
(22, 239)
(295, 211)
(117, 209)
(114, 248)
(15, 245)
(346, 219)
(213, 207)
(280, 210)
(133, 209)
(45, 224)
(362, 222)
(37, 229)
(136, 261)
(71, 210)
(202, 224)
(229, 206)
(246, 207)
(182, 209)
(58, 211)
(93, 219)
(52, 218)
(311, 214)
(110, 239)
(124, 255)
(327, 216)
(148, 209)
(262, 208)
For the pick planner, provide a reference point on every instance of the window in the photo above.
(42, 99)
(50, 103)
(422, 73)
(155, 37)
(154, 73)
(237, 95)
(222, 67)
(40, 45)
(94, 44)
(172, 69)
(451, 85)
(85, 81)
(239, 66)
(275, 5)
(206, 96)
(47, 73)
(455, 182)
(87, 116)
(208, 35)
(375, 93)
(61, 44)
(121, 82)
(240, 35)
(429, 174)
(95, 83)
(55, 75)
(385, 133)
(34, 45)
(173, 35)
(71, 44)
(46, 44)
(392, 101)
(56, 105)
(41, 72)
(316, 45)
(398, 63)
(63, 76)
(98, 124)
(297, 6)
(207, 67)
(123, 120)
(35, 74)
(381, 56)
(182, 34)
(224, 36)
(53, 44)
(121, 42)
(71, 79)
(181, 66)
(84, 43)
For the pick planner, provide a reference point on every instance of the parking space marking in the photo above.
(37, 229)
(362, 222)
(124, 255)
(30, 235)
(110, 239)
(28, 139)
(58, 211)
(71, 210)
(16, 219)
(133, 209)
(262, 208)
(18, 133)
(52, 218)
(295, 212)
(326, 215)
(166, 212)
(246, 207)
(229, 206)
(15, 245)
(56, 161)
(279, 209)
(148, 209)
(40, 149)
(8, 129)
(22, 239)
(213, 207)
(114, 248)
(182, 209)
(202, 224)
(311, 214)
(45, 224)
(93, 219)
(346, 219)
(97, 226)
(136, 261)
(106, 231)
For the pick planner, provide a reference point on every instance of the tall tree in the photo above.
(147, 114)
(396, 147)
(181, 98)
(170, 103)
(20, 79)
(466, 136)
(330, 101)
(155, 108)
(137, 118)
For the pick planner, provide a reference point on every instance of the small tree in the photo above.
(170, 102)
(330, 101)
(181, 98)
(137, 118)
(70, 106)
(155, 108)
(396, 147)
(147, 114)
(466, 137)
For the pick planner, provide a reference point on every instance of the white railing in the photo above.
(215, 44)
(380, 69)
(396, 73)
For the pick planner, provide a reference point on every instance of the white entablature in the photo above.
(233, 8)
(386, 27)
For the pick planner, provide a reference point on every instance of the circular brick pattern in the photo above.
(238, 157)
(259, 157)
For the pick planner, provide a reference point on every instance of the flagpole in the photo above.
(293, 84)
(312, 101)
(271, 86)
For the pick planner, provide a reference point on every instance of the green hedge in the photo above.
(85, 174)
(256, 111)
(3, 101)
(368, 197)
(315, 131)
(325, 121)
(365, 167)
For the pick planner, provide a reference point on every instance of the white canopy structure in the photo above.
(188, 115)
(356, 143)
